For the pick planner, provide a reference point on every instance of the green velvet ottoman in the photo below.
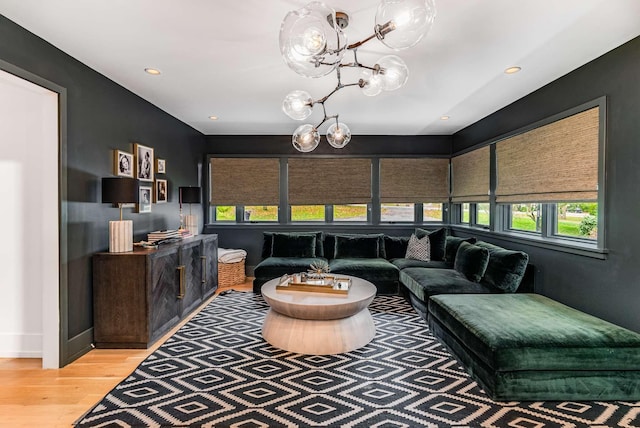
(528, 347)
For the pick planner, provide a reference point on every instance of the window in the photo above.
(350, 212)
(576, 220)
(465, 210)
(249, 184)
(405, 182)
(397, 212)
(548, 179)
(431, 212)
(307, 212)
(261, 213)
(526, 217)
(483, 214)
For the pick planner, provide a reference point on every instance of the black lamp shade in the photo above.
(189, 195)
(120, 190)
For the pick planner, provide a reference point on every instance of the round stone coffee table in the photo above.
(313, 323)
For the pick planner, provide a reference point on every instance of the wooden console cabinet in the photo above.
(140, 295)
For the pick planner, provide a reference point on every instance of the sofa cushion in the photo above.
(505, 269)
(436, 241)
(275, 267)
(403, 263)
(418, 249)
(395, 247)
(267, 242)
(451, 247)
(429, 282)
(357, 246)
(371, 269)
(471, 261)
(294, 245)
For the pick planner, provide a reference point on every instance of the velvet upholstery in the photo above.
(294, 245)
(395, 247)
(375, 270)
(451, 245)
(437, 240)
(471, 261)
(406, 263)
(267, 242)
(529, 347)
(424, 283)
(357, 246)
(275, 267)
(505, 269)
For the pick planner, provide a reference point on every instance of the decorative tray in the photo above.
(328, 284)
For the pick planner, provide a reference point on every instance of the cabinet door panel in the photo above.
(210, 254)
(164, 293)
(192, 262)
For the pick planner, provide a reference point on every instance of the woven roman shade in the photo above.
(245, 181)
(329, 181)
(414, 180)
(555, 162)
(470, 176)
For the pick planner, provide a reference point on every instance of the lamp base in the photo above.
(120, 236)
(191, 223)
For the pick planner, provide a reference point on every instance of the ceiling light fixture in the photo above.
(213, 117)
(152, 71)
(313, 45)
(512, 70)
(444, 117)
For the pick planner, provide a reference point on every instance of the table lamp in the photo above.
(189, 195)
(117, 190)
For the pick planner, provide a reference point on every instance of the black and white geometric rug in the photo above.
(217, 371)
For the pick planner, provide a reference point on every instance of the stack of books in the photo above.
(161, 235)
(184, 233)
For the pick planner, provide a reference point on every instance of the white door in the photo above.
(29, 220)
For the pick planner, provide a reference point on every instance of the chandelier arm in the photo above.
(361, 42)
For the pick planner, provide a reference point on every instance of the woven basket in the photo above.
(230, 274)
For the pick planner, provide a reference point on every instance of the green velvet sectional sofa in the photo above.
(381, 260)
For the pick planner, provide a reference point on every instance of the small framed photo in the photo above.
(123, 164)
(161, 166)
(161, 191)
(144, 162)
(144, 205)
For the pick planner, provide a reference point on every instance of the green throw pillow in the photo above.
(267, 242)
(451, 247)
(436, 241)
(471, 261)
(395, 247)
(357, 246)
(506, 268)
(294, 245)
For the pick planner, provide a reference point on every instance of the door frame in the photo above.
(62, 357)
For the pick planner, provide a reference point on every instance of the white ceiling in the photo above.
(222, 57)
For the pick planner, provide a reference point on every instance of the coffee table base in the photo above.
(318, 337)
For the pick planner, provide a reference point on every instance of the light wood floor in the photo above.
(32, 397)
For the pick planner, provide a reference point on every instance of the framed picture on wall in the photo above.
(144, 205)
(161, 166)
(123, 164)
(144, 162)
(161, 191)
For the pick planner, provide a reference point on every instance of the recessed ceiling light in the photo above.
(444, 117)
(512, 70)
(153, 71)
(213, 117)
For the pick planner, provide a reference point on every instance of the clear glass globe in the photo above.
(311, 42)
(305, 138)
(298, 105)
(372, 83)
(401, 24)
(338, 135)
(393, 72)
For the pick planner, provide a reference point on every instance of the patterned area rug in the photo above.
(217, 371)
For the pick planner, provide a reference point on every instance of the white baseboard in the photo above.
(20, 345)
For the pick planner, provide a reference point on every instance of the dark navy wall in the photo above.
(101, 116)
(607, 288)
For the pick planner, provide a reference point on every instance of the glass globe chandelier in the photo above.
(313, 45)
